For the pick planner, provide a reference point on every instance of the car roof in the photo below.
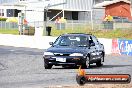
(76, 34)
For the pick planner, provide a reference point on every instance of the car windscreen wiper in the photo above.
(64, 45)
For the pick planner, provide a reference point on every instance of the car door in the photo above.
(97, 47)
(92, 47)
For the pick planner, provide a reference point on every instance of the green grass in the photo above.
(9, 31)
(119, 33)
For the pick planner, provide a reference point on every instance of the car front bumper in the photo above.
(64, 60)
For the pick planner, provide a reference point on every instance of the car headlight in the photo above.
(48, 53)
(76, 54)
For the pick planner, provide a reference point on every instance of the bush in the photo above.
(3, 19)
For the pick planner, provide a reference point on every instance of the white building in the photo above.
(34, 9)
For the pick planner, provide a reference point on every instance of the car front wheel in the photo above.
(47, 66)
(87, 63)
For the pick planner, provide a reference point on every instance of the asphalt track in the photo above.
(23, 68)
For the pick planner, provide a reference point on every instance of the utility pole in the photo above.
(45, 18)
(46, 11)
(92, 10)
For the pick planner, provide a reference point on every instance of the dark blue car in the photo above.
(73, 50)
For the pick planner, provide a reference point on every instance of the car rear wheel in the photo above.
(99, 63)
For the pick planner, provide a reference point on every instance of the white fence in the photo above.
(78, 24)
(8, 25)
(72, 24)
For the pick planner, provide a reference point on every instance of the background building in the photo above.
(118, 8)
(72, 9)
(75, 11)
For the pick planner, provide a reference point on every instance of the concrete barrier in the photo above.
(107, 44)
(40, 42)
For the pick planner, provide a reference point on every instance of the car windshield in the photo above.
(78, 41)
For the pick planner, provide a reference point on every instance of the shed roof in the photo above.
(106, 3)
(67, 5)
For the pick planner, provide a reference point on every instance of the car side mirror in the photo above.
(92, 44)
(51, 43)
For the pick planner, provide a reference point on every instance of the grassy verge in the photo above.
(9, 31)
(126, 33)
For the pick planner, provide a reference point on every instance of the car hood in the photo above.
(67, 49)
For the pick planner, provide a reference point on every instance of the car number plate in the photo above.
(61, 59)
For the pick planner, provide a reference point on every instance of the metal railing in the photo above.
(71, 24)
(8, 1)
(96, 25)
(8, 25)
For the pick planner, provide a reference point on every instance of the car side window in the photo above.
(95, 40)
(90, 40)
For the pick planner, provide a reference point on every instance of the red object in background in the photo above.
(115, 48)
(25, 21)
(121, 9)
(57, 20)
